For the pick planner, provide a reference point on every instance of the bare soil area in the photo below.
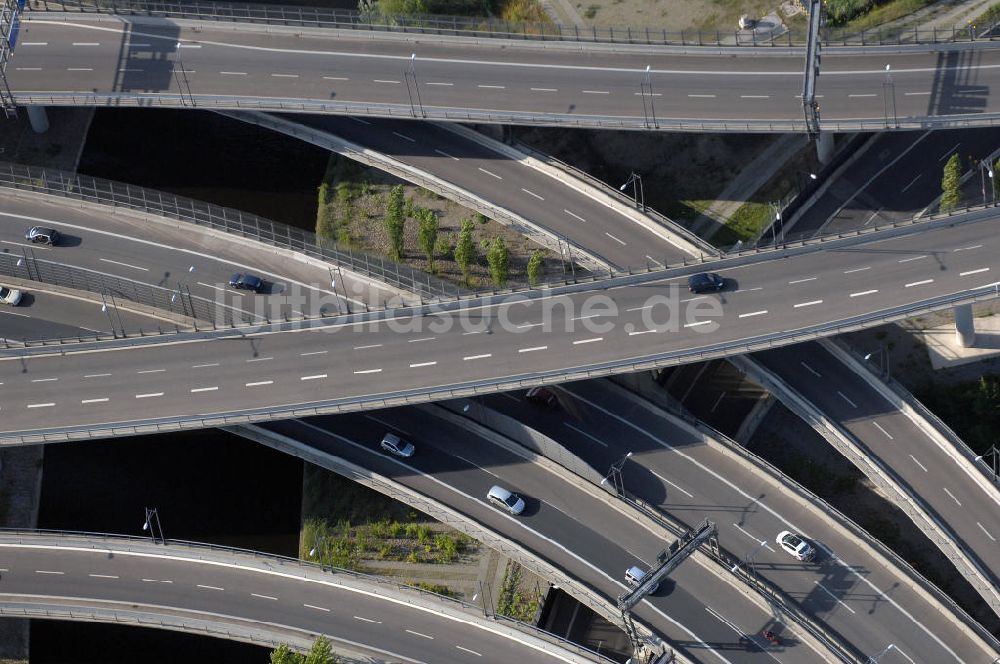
(673, 15)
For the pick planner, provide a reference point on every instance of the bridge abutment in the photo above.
(824, 147)
(965, 329)
(38, 118)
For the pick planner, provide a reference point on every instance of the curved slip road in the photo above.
(846, 587)
(705, 618)
(103, 59)
(174, 256)
(554, 203)
(392, 626)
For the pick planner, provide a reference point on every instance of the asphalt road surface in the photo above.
(395, 629)
(61, 55)
(845, 586)
(238, 373)
(698, 612)
(178, 257)
(555, 204)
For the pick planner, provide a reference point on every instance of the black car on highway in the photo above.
(42, 235)
(246, 281)
(705, 282)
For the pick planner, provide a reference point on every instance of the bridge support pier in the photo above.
(824, 147)
(39, 119)
(965, 328)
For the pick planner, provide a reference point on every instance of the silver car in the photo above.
(395, 445)
(505, 500)
(10, 296)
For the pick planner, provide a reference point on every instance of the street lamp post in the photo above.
(615, 475)
(638, 194)
(986, 172)
(152, 525)
(646, 90)
(993, 454)
(411, 73)
(883, 360)
(889, 98)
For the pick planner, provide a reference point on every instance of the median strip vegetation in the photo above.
(363, 209)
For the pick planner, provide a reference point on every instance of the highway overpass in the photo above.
(106, 60)
(773, 298)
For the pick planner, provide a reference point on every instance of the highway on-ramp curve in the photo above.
(196, 376)
(108, 574)
(81, 59)
(698, 611)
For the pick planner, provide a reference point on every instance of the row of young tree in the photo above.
(320, 653)
(465, 250)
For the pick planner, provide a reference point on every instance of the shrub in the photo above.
(465, 248)
(498, 258)
(395, 222)
(428, 234)
(951, 184)
(536, 267)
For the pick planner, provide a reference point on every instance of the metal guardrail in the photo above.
(244, 224)
(666, 222)
(451, 114)
(423, 395)
(838, 516)
(888, 482)
(113, 289)
(489, 27)
(568, 250)
(269, 562)
(552, 452)
(440, 512)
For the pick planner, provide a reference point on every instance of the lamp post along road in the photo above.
(615, 475)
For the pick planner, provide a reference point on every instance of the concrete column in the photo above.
(39, 119)
(824, 147)
(965, 329)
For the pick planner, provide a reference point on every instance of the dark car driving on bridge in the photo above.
(705, 282)
(42, 235)
(246, 281)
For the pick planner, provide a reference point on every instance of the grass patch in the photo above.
(745, 224)
(591, 11)
(514, 602)
(877, 15)
(345, 524)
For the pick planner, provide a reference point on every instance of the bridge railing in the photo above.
(228, 220)
(296, 566)
(489, 27)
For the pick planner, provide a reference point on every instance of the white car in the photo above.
(505, 500)
(795, 546)
(10, 296)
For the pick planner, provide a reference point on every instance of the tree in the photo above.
(321, 653)
(465, 248)
(285, 655)
(536, 266)
(498, 258)
(951, 184)
(428, 234)
(395, 222)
